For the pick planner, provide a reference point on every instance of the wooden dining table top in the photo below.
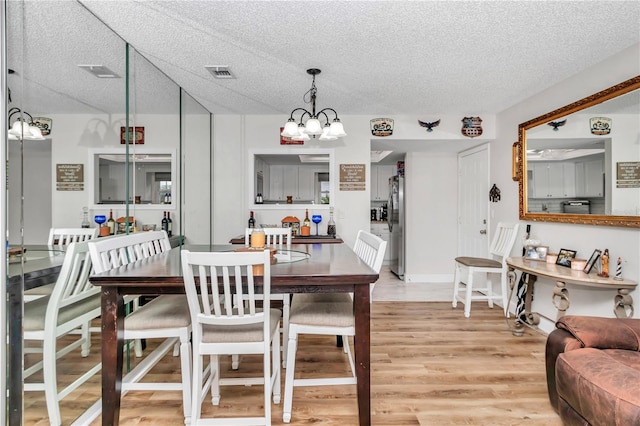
(325, 264)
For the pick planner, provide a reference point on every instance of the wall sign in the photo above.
(600, 125)
(285, 140)
(628, 174)
(70, 177)
(382, 126)
(352, 177)
(137, 136)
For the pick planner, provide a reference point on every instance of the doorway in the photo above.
(473, 202)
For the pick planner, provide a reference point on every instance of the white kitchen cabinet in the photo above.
(554, 180)
(297, 181)
(380, 182)
(589, 178)
(381, 229)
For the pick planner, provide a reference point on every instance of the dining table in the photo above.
(305, 268)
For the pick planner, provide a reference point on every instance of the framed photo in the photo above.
(137, 135)
(592, 260)
(565, 256)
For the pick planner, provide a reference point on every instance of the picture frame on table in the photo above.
(565, 256)
(592, 260)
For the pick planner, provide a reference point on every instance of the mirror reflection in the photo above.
(581, 163)
(150, 178)
(292, 178)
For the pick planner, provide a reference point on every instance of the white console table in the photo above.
(623, 302)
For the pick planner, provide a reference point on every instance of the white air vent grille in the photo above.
(220, 71)
(99, 71)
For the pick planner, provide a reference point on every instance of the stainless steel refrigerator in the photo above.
(396, 220)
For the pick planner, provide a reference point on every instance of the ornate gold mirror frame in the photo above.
(519, 161)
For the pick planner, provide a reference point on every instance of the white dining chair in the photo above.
(73, 303)
(327, 314)
(59, 238)
(467, 267)
(220, 328)
(165, 317)
(279, 238)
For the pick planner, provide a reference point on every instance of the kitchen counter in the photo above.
(298, 239)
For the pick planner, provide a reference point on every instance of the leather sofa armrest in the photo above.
(559, 341)
(603, 333)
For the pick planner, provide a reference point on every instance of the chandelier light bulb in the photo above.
(290, 129)
(313, 127)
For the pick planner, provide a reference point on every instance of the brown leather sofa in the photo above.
(593, 370)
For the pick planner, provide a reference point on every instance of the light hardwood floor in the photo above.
(429, 366)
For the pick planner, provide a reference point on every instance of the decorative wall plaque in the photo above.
(628, 174)
(137, 136)
(352, 177)
(44, 124)
(600, 125)
(382, 126)
(70, 177)
(471, 126)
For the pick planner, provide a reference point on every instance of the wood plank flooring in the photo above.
(429, 366)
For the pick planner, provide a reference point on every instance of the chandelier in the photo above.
(21, 128)
(312, 127)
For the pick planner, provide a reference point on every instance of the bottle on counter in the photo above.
(306, 221)
(169, 225)
(165, 223)
(85, 218)
(331, 225)
(111, 223)
(252, 221)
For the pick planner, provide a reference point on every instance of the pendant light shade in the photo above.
(22, 129)
(313, 126)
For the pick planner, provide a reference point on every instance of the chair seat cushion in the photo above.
(240, 333)
(35, 311)
(167, 311)
(478, 262)
(330, 309)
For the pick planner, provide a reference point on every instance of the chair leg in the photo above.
(275, 368)
(50, 380)
(215, 379)
(196, 387)
(235, 361)
(456, 285)
(288, 382)
(467, 298)
(266, 374)
(286, 304)
(86, 336)
(185, 370)
(503, 288)
(489, 291)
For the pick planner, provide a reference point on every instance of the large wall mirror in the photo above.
(581, 163)
(291, 176)
(152, 177)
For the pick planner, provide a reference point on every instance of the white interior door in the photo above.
(473, 202)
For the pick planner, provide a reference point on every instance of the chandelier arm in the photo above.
(15, 110)
(322, 111)
(304, 111)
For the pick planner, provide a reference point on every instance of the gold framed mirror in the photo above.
(581, 163)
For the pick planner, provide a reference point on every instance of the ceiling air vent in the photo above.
(99, 71)
(220, 71)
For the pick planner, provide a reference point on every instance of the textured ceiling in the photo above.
(377, 57)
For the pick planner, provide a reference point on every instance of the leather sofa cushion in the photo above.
(603, 333)
(601, 385)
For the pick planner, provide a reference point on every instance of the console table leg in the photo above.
(560, 298)
(623, 304)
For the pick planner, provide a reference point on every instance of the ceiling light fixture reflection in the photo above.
(23, 127)
(312, 127)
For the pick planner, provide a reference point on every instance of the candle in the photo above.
(619, 269)
(257, 238)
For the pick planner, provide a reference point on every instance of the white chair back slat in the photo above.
(503, 240)
(370, 249)
(61, 237)
(234, 271)
(73, 281)
(111, 253)
(279, 238)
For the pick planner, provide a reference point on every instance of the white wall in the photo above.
(620, 241)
